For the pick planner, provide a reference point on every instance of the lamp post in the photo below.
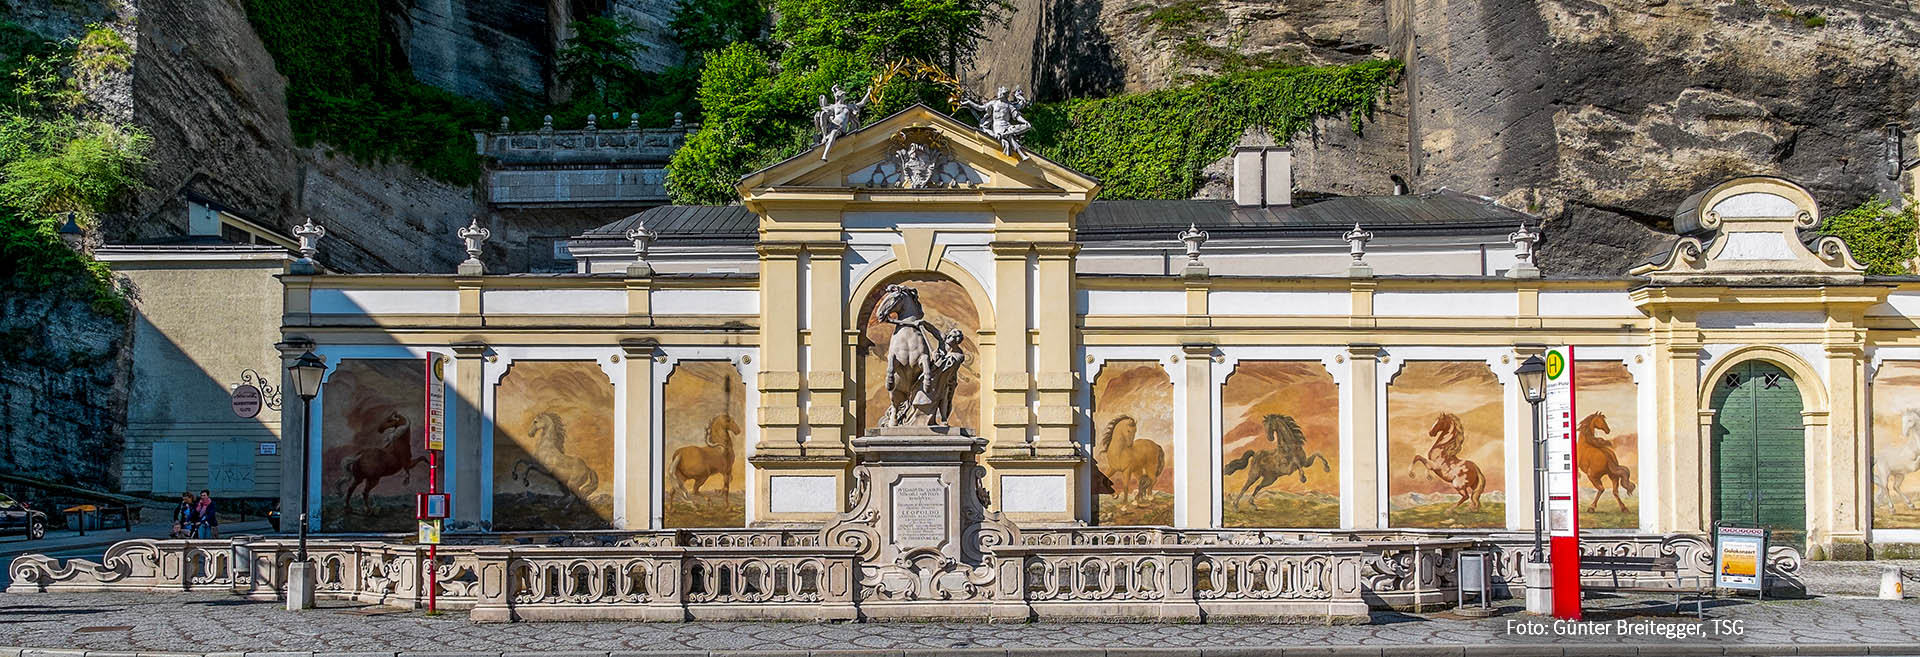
(1532, 374)
(305, 371)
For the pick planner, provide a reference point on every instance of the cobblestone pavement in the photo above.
(206, 622)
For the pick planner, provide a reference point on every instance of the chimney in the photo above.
(1262, 176)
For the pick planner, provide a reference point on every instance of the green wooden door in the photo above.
(1759, 452)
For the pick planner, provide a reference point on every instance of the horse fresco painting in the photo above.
(1280, 446)
(1133, 444)
(372, 453)
(1607, 439)
(1896, 445)
(705, 446)
(945, 306)
(553, 447)
(1445, 446)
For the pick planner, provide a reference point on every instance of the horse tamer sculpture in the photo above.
(923, 366)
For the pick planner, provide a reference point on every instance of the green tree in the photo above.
(598, 58)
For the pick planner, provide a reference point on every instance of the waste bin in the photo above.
(82, 517)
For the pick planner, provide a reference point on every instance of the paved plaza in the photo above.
(202, 623)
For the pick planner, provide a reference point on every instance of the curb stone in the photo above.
(1395, 650)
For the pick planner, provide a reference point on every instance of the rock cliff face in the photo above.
(63, 396)
(1598, 115)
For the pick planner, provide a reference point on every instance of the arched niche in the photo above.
(948, 305)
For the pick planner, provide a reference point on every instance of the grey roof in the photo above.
(1439, 211)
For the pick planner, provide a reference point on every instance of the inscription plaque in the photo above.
(919, 511)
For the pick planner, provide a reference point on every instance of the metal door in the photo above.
(169, 468)
(1759, 452)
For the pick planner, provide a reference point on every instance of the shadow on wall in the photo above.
(1073, 57)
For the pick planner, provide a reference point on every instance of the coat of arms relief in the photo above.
(917, 158)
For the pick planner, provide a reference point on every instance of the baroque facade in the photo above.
(1345, 364)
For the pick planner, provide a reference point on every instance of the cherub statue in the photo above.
(837, 119)
(1000, 117)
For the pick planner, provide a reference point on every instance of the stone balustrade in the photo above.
(1065, 573)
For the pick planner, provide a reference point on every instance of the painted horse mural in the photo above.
(1444, 462)
(1133, 465)
(1599, 462)
(550, 458)
(1264, 467)
(694, 465)
(1892, 463)
(365, 468)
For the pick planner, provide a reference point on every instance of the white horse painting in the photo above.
(1893, 462)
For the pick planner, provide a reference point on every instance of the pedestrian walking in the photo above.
(183, 517)
(206, 517)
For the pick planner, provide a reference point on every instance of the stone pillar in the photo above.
(1195, 449)
(643, 476)
(779, 412)
(293, 443)
(1680, 483)
(469, 388)
(1840, 498)
(827, 383)
(1521, 503)
(1055, 367)
(1011, 413)
(1360, 469)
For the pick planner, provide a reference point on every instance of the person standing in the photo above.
(206, 516)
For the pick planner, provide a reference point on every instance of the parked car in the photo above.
(16, 516)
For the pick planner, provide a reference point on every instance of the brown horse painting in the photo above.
(1132, 464)
(365, 468)
(1599, 463)
(1265, 467)
(694, 465)
(1443, 460)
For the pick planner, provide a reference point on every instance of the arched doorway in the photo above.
(1759, 451)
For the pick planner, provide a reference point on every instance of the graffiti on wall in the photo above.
(1609, 444)
(553, 447)
(1280, 446)
(372, 454)
(1896, 445)
(705, 482)
(1133, 444)
(1445, 446)
(947, 306)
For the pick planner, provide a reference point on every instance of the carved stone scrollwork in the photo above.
(918, 158)
(855, 528)
(927, 574)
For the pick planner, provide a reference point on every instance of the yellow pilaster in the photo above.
(1841, 495)
(1011, 415)
(827, 382)
(779, 413)
(1054, 371)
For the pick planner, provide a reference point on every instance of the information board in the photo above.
(1739, 558)
(1562, 492)
(436, 401)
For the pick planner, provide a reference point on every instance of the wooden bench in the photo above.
(1663, 565)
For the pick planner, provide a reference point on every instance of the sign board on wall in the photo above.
(1562, 492)
(246, 400)
(436, 401)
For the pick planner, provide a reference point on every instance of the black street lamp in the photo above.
(1532, 374)
(306, 371)
(71, 234)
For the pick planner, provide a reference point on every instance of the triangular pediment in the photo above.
(913, 151)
